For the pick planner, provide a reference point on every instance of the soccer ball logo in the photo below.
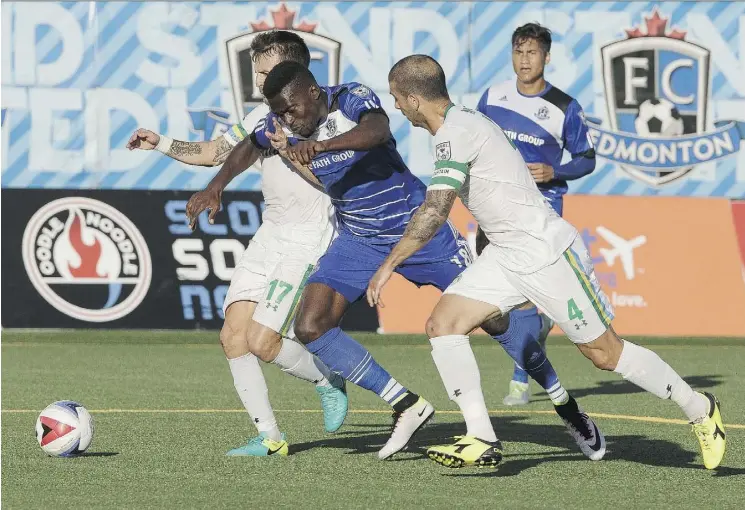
(658, 117)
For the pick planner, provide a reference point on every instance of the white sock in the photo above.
(460, 374)
(251, 387)
(648, 371)
(296, 360)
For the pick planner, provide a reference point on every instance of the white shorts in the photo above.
(272, 272)
(567, 290)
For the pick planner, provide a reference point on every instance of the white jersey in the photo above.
(475, 157)
(293, 205)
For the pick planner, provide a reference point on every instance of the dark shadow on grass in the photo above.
(97, 454)
(728, 471)
(517, 429)
(625, 388)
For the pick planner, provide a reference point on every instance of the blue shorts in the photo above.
(350, 262)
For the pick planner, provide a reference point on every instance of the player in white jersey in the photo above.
(297, 227)
(545, 124)
(533, 255)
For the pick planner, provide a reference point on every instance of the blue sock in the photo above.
(344, 355)
(521, 343)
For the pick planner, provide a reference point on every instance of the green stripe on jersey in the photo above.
(461, 167)
(444, 180)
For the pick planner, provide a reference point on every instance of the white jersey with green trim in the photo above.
(474, 156)
(290, 201)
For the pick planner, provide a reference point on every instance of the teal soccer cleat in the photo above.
(261, 446)
(334, 402)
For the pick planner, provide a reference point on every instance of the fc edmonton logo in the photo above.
(325, 56)
(74, 242)
(657, 92)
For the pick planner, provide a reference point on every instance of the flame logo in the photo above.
(89, 254)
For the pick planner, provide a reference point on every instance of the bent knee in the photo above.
(233, 341)
(605, 351)
(310, 327)
(602, 358)
(439, 325)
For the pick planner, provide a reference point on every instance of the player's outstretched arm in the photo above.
(425, 223)
(211, 153)
(239, 159)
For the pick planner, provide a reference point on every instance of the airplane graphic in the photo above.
(621, 248)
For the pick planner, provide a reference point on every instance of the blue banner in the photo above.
(79, 77)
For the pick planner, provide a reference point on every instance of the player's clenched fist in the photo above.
(201, 201)
(541, 172)
(143, 139)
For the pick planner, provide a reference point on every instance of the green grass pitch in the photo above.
(166, 413)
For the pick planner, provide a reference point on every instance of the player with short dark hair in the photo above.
(533, 255)
(544, 123)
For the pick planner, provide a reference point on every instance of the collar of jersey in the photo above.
(447, 110)
(541, 93)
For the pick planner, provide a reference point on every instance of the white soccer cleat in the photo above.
(405, 425)
(586, 434)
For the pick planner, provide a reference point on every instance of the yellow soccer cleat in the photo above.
(467, 451)
(710, 434)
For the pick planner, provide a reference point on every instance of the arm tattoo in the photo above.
(180, 148)
(222, 150)
(431, 215)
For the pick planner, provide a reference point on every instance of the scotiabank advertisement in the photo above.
(671, 266)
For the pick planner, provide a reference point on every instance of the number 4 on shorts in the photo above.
(574, 311)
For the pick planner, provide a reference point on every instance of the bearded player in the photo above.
(533, 255)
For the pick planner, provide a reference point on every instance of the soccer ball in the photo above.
(64, 429)
(658, 117)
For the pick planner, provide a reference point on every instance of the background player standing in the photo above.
(543, 122)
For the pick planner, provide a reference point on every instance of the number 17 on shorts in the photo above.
(276, 310)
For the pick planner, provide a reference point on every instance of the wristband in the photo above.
(164, 144)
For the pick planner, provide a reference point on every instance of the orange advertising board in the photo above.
(671, 266)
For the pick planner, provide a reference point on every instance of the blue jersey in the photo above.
(543, 127)
(374, 193)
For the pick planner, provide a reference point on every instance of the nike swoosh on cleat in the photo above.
(422, 412)
(272, 452)
(718, 431)
(596, 447)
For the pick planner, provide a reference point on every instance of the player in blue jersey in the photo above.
(339, 137)
(543, 122)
